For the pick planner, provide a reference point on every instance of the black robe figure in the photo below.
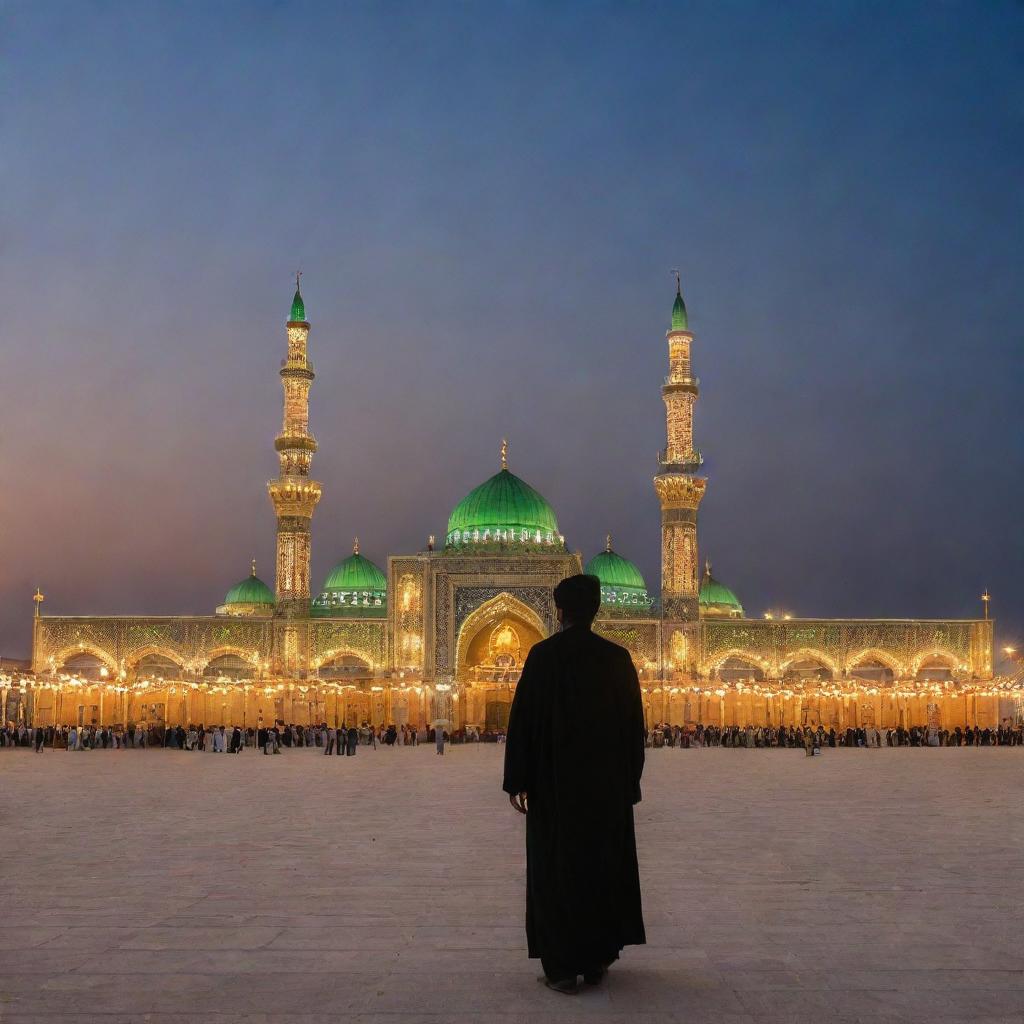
(575, 747)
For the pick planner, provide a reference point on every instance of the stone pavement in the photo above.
(877, 885)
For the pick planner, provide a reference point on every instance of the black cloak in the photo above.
(575, 745)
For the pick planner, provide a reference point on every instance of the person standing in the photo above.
(329, 745)
(583, 901)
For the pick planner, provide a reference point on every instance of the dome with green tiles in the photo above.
(354, 587)
(622, 583)
(716, 599)
(250, 597)
(501, 512)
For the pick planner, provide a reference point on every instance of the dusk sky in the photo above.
(486, 201)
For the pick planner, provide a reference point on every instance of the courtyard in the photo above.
(167, 886)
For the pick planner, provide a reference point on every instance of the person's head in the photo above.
(577, 599)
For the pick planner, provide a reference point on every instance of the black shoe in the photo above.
(567, 986)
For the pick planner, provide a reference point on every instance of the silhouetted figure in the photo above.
(582, 880)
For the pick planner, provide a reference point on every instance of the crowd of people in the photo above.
(269, 739)
(345, 740)
(1006, 735)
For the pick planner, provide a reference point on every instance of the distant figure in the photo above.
(439, 738)
(582, 879)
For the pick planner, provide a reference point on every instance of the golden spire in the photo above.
(355, 546)
(39, 599)
(504, 453)
(985, 598)
(254, 567)
(707, 568)
(608, 542)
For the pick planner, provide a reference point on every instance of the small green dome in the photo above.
(717, 599)
(503, 510)
(622, 583)
(354, 586)
(298, 312)
(252, 590)
(679, 321)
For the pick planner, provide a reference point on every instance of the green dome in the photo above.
(252, 590)
(354, 586)
(679, 321)
(503, 510)
(298, 312)
(622, 583)
(717, 599)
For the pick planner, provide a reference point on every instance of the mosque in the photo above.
(442, 633)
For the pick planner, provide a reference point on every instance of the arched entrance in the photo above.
(492, 647)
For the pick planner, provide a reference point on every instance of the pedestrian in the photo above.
(583, 883)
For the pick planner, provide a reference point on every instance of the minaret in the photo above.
(293, 493)
(678, 484)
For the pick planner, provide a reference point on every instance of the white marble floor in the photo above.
(876, 885)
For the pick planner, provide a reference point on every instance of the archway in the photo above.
(85, 663)
(873, 670)
(345, 665)
(157, 666)
(806, 670)
(740, 669)
(935, 665)
(492, 647)
(228, 666)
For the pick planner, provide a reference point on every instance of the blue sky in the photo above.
(486, 201)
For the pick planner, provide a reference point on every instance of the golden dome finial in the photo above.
(39, 599)
(707, 567)
(608, 542)
(355, 546)
(254, 567)
(504, 453)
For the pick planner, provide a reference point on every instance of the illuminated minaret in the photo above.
(293, 493)
(678, 483)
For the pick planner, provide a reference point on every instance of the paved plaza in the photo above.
(169, 886)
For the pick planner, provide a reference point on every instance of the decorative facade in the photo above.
(442, 634)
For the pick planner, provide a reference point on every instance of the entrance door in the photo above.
(496, 715)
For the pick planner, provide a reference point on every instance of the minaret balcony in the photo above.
(678, 462)
(297, 368)
(679, 383)
(295, 442)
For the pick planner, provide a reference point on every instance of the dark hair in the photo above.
(579, 597)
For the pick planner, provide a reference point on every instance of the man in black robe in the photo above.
(573, 759)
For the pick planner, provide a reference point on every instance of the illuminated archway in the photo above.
(863, 659)
(494, 616)
(62, 657)
(808, 659)
(344, 663)
(154, 659)
(936, 663)
(739, 655)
